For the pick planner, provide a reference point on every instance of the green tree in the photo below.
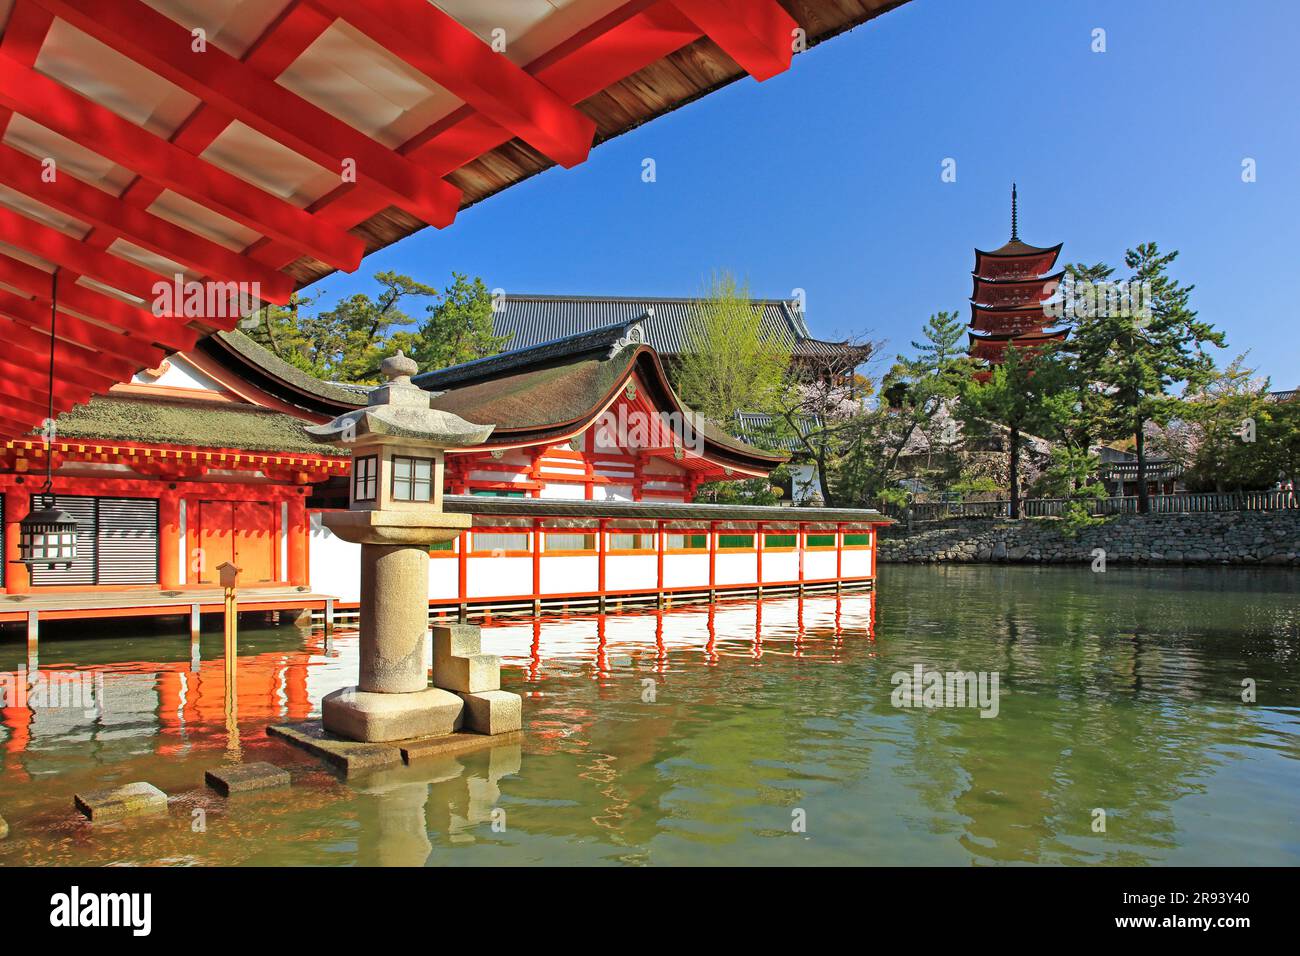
(1222, 423)
(730, 363)
(347, 342)
(1016, 395)
(1139, 355)
(458, 328)
(1279, 439)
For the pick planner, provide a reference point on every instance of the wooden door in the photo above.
(255, 541)
(216, 538)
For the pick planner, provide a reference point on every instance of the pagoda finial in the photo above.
(1015, 233)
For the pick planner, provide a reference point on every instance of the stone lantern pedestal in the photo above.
(395, 514)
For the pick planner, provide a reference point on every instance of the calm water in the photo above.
(1119, 691)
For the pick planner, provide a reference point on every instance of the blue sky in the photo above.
(827, 178)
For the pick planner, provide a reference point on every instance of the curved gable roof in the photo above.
(557, 388)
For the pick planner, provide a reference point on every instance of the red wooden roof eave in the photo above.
(732, 37)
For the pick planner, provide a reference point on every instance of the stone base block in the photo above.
(346, 755)
(114, 803)
(493, 712)
(360, 715)
(467, 675)
(241, 777)
(456, 640)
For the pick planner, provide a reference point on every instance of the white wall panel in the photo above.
(498, 577)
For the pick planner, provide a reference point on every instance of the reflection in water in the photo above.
(1119, 691)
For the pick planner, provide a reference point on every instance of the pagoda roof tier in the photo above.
(1014, 292)
(1016, 260)
(993, 347)
(1003, 321)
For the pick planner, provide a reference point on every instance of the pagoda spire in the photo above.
(1015, 233)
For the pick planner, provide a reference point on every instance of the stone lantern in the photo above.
(397, 443)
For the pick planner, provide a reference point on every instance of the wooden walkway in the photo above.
(34, 607)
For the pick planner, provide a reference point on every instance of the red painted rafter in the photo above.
(611, 49)
(58, 247)
(90, 366)
(758, 34)
(230, 86)
(441, 48)
(142, 324)
(82, 120)
(89, 204)
(116, 344)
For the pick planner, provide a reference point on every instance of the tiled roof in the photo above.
(555, 387)
(535, 319)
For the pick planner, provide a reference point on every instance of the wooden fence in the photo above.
(1187, 503)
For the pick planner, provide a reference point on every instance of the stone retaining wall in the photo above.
(1243, 538)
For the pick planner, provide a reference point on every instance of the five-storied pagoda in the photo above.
(1010, 286)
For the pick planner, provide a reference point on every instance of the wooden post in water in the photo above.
(229, 575)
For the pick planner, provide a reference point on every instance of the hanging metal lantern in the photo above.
(48, 538)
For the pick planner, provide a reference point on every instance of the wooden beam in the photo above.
(232, 87)
(441, 48)
(172, 334)
(758, 34)
(64, 250)
(119, 345)
(60, 109)
(90, 204)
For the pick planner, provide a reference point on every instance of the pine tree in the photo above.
(1138, 355)
(459, 327)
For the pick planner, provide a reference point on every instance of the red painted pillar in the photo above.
(169, 539)
(537, 563)
(758, 555)
(298, 533)
(462, 574)
(713, 558)
(601, 548)
(659, 551)
(18, 503)
(800, 540)
(839, 554)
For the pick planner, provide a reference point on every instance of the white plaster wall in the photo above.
(857, 564)
(819, 566)
(629, 572)
(570, 574)
(444, 578)
(564, 491)
(498, 577)
(686, 570)
(736, 568)
(780, 565)
(335, 563)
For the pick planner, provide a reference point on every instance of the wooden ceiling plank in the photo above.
(68, 113)
(232, 87)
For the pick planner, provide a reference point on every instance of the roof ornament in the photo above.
(633, 335)
(1015, 232)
